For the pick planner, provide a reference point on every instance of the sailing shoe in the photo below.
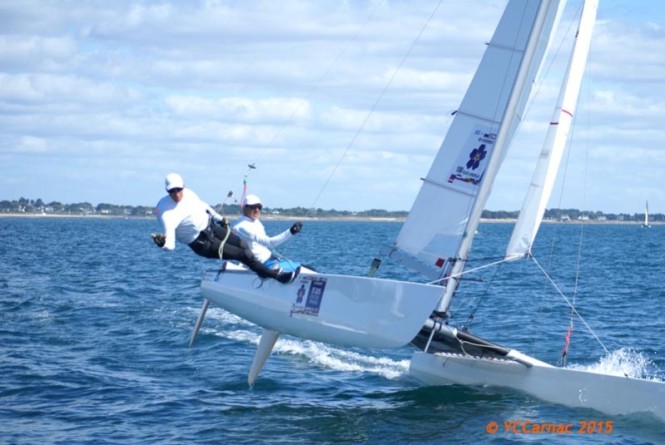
(295, 275)
(285, 277)
(288, 277)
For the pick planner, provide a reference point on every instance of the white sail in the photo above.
(547, 167)
(646, 215)
(445, 214)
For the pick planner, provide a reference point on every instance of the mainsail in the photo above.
(435, 239)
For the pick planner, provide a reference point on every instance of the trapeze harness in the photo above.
(205, 243)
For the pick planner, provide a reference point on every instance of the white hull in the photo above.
(609, 394)
(337, 309)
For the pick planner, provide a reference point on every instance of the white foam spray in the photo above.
(330, 357)
(624, 362)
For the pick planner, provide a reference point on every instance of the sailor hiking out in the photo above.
(187, 219)
(251, 230)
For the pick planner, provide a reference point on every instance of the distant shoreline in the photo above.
(313, 218)
(231, 217)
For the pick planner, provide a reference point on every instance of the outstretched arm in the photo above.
(262, 238)
(169, 244)
(169, 225)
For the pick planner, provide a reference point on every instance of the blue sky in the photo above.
(100, 100)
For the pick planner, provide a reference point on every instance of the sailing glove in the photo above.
(159, 239)
(224, 222)
(295, 228)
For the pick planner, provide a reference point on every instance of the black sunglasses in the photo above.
(175, 190)
(255, 207)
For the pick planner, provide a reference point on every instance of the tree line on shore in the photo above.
(37, 206)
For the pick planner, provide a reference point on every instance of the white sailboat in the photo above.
(646, 224)
(375, 312)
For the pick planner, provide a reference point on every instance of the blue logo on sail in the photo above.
(477, 155)
(472, 161)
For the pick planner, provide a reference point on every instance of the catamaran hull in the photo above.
(337, 309)
(609, 394)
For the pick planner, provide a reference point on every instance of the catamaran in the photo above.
(375, 312)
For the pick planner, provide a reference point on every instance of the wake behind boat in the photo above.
(436, 239)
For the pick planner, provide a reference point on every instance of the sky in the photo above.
(339, 104)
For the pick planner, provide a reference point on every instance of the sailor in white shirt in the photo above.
(189, 220)
(252, 230)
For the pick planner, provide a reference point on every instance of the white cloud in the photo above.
(36, 52)
(91, 91)
(240, 109)
(48, 89)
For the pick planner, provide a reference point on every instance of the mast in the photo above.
(533, 54)
(542, 182)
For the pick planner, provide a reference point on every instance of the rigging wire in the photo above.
(546, 74)
(581, 238)
(468, 271)
(571, 30)
(567, 336)
(376, 104)
(546, 71)
(572, 307)
(309, 93)
(481, 299)
(323, 76)
(585, 180)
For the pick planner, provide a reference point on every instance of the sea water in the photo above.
(95, 323)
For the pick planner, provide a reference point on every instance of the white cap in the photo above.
(174, 180)
(251, 200)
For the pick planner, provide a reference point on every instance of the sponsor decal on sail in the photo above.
(470, 166)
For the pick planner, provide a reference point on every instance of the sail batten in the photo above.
(447, 186)
(479, 118)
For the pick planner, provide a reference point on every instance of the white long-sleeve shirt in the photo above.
(252, 231)
(183, 220)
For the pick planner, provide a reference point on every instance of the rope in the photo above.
(220, 251)
(564, 351)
